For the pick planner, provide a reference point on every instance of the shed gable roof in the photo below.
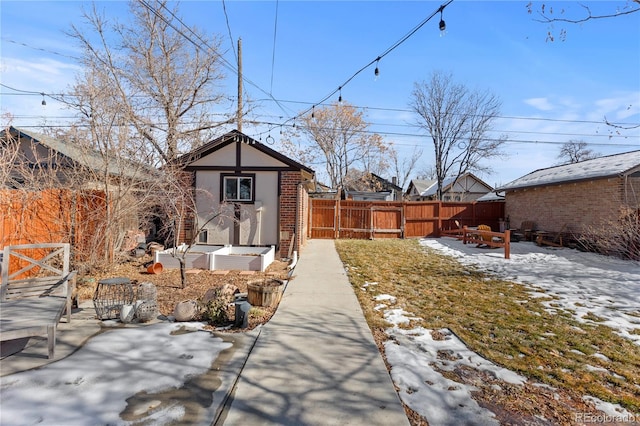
(598, 168)
(235, 136)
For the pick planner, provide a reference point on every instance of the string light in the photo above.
(442, 25)
(377, 59)
(44, 103)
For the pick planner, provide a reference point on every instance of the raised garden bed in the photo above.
(237, 258)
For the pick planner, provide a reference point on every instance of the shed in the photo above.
(573, 197)
(261, 194)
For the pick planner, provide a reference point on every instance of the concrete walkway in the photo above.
(315, 362)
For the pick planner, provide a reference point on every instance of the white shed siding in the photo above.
(224, 157)
(258, 222)
(253, 158)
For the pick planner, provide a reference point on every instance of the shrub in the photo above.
(215, 310)
(620, 238)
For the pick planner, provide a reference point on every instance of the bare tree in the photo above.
(146, 94)
(404, 167)
(427, 173)
(159, 75)
(458, 121)
(547, 14)
(179, 213)
(575, 151)
(337, 137)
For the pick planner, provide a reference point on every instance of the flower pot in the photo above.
(267, 292)
(155, 268)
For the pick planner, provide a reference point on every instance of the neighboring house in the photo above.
(572, 197)
(467, 187)
(54, 190)
(321, 191)
(260, 193)
(491, 197)
(374, 188)
(59, 162)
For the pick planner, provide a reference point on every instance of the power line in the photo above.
(53, 52)
(21, 92)
(204, 42)
(273, 54)
(416, 135)
(226, 17)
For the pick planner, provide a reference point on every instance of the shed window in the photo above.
(238, 188)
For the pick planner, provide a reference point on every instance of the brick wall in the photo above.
(576, 205)
(293, 212)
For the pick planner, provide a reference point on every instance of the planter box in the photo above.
(243, 258)
(199, 257)
(220, 258)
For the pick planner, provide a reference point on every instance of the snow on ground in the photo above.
(584, 282)
(94, 383)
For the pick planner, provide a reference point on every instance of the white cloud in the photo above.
(540, 103)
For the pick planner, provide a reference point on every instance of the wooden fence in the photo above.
(334, 219)
(50, 216)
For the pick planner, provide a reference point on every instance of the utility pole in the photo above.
(239, 112)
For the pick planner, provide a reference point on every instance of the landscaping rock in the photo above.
(186, 311)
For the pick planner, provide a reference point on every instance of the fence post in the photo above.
(507, 244)
(439, 223)
(464, 234)
(336, 219)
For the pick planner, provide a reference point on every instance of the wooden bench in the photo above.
(37, 288)
(487, 238)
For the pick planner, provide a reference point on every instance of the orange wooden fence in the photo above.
(50, 216)
(390, 219)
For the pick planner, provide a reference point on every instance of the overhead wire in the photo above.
(225, 62)
(53, 52)
(22, 92)
(231, 39)
(273, 54)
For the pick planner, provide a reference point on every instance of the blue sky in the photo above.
(551, 92)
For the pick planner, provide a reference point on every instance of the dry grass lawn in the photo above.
(500, 321)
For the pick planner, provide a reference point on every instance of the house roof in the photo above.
(598, 168)
(428, 188)
(492, 196)
(422, 185)
(386, 184)
(72, 152)
(233, 137)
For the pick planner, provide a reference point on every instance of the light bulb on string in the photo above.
(340, 96)
(44, 103)
(442, 25)
(313, 111)
(376, 72)
(270, 140)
